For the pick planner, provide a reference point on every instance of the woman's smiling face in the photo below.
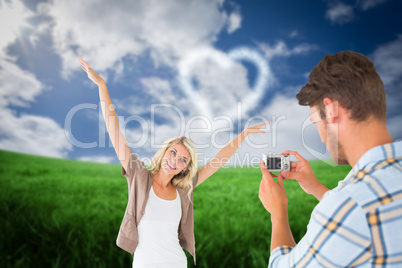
(176, 159)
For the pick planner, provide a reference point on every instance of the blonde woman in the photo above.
(158, 222)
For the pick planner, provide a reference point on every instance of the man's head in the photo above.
(347, 79)
(352, 80)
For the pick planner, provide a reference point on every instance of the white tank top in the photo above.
(158, 234)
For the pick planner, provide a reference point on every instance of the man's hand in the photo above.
(272, 194)
(273, 197)
(303, 173)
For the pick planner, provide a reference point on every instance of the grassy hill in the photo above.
(64, 213)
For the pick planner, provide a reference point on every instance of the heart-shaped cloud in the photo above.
(224, 61)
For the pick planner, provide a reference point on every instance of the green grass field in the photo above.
(63, 213)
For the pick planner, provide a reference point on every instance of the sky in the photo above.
(203, 69)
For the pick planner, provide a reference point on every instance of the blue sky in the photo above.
(205, 69)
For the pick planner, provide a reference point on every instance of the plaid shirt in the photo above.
(359, 223)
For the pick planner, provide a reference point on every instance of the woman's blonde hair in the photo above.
(185, 178)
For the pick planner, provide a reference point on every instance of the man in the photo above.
(360, 221)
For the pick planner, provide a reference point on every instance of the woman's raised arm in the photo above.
(226, 153)
(112, 124)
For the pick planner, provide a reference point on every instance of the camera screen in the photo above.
(274, 163)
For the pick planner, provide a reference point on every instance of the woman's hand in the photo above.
(226, 153)
(255, 129)
(91, 73)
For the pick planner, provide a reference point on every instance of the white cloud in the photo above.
(339, 13)
(157, 86)
(32, 134)
(156, 92)
(234, 22)
(221, 83)
(366, 4)
(294, 34)
(18, 87)
(281, 49)
(388, 60)
(132, 105)
(166, 29)
(13, 15)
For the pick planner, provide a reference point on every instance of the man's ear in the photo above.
(331, 110)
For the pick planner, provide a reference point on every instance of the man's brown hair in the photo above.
(351, 79)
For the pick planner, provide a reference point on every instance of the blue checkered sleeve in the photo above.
(335, 236)
(359, 223)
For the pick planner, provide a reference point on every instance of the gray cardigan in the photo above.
(139, 181)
